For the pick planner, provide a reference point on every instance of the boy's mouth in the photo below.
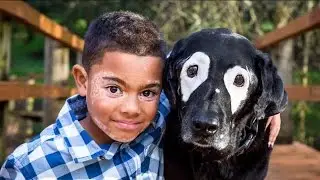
(127, 124)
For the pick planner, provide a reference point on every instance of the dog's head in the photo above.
(218, 82)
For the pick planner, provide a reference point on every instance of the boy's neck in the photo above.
(95, 132)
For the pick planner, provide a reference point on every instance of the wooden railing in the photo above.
(299, 93)
(25, 14)
(28, 15)
(296, 27)
(18, 90)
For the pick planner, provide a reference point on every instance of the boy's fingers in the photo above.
(275, 123)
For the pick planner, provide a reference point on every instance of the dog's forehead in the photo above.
(225, 47)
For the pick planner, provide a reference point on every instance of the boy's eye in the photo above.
(148, 94)
(114, 90)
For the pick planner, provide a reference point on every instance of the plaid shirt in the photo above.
(65, 150)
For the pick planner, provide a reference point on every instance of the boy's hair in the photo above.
(121, 31)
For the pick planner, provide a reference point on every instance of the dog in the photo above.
(222, 90)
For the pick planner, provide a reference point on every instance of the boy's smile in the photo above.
(122, 93)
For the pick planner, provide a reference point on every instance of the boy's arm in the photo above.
(275, 123)
(10, 171)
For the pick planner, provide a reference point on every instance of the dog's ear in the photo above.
(273, 99)
(170, 75)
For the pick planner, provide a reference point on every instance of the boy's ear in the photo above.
(81, 79)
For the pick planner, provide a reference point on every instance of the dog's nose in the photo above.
(206, 127)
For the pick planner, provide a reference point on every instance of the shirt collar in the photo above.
(80, 144)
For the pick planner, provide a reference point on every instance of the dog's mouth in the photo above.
(220, 141)
(216, 150)
(202, 143)
(225, 142)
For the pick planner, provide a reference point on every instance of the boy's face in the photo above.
(122, 94)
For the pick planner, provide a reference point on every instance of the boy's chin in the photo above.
(122, 138)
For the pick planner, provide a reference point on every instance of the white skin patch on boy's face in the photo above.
(237, 81)
(96, 90)
(123, 94)
(194, 72)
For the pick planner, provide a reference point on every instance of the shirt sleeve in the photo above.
(10, 171)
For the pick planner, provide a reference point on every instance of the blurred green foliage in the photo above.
(267, 26)
(27, 52)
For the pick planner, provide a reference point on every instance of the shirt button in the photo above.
(102, 158)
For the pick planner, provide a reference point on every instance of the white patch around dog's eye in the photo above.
(237, 80)
(194, 72)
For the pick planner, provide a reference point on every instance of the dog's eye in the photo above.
(238, 80)
(192, 71)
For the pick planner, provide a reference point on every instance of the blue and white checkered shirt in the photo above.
(65, 150)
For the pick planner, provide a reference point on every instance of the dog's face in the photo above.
(218, 82)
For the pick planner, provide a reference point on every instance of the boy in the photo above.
(113, 128)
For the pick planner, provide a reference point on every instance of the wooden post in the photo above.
(285, 66)
(5, 56)
(303, 106)
(56, 73)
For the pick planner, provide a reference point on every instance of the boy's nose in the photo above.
(131, 107)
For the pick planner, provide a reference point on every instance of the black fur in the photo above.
(184, 160)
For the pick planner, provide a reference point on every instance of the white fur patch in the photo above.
(223, 142)
(237, 94)
(188, 85)
(217, 90)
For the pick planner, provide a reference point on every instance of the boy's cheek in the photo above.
(151, 110)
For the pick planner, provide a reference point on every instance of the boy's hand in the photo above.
(275, 123)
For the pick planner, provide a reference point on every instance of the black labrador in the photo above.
(222, 89)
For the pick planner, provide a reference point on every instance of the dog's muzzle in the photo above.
(204, 126)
